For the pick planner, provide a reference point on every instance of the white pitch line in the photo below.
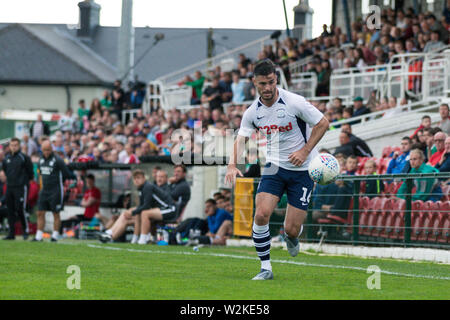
(275, 260)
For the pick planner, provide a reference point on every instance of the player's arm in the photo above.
(297, 158)
(29, 168)
(236, 153)
(147, 194)
(67, 174)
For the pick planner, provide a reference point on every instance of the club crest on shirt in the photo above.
(281, 113)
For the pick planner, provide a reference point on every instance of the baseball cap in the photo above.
(358, 99)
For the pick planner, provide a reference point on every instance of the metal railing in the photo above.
(377, 218)
(249, 49)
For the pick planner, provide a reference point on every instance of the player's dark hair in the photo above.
(264, 68)
(90, 176)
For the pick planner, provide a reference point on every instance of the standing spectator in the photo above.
(249, 88)
(444, 124)
(39, 129)
(323, 78)
(400, 160)
(439, 142)
(238, 88)
(95, 112)
(106, 102)
(213, 95)
(197, 86)
(19, 171)
(30, 145)
(82, 113)
(52, 172)
(67, 122)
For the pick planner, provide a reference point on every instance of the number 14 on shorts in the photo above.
(304, 199)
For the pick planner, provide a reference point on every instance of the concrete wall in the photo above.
(46, 98)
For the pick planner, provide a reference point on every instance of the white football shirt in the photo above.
(287, 125)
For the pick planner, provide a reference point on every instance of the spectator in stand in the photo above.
(358, 108)
(105, 102)
(360, 146)
(67, 122)
(400, 160)
(436, 25)
(434, 43)
(425, 123)
(343, 193)
(237, 88)
(213, 95)
(253, 167)
(249, 88)
(444, 163)
(39, 129)
(82, 112)
(91, 202)
(323, 78)
(130, 157)
(425, 187)
(30, 145)
(444, 124)
(197, 86)
(220, 226)
(375, 187)
(225, 84)
(439, 142)
(95, 112)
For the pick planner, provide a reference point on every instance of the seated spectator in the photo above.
(213, 95)
(425, 123)
(238, 88)
(123, 202)
(425, 188)
(372, 188)
(220, 226)
(444, 163)
(344, 193)
(91, 202)
(360, 146)
(434, 42)
(444, 124)
(355, 147)
(439, 142)
(358, 108)
(400, 161)
(225, 84)
(153, 201)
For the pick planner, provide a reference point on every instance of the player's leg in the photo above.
(10, 204)
(299, 190)
(43, 207)
(20, 205)
(56, 226)
(120, 225)
(146, 217)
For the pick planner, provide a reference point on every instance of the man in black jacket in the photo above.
(52, 172)
(351, 144)
(19, 171)
(151, 197)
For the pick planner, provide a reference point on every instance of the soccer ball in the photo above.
(324, 169)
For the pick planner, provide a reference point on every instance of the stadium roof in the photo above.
(46, 54)
(52, 53)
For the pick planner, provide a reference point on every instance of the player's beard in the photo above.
(266, 97)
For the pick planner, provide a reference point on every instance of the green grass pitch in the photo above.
(30, 270)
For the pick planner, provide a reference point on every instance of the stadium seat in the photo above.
(430, 209)
(372, 216)
(417, 216)
(437, 221)
(444, 236)
(386, 152)
(386, 209)
(398, 210)
(389, 222)
(363, 214)
(445, 193)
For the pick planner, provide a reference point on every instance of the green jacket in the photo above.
(197, 85)
(424, 186)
